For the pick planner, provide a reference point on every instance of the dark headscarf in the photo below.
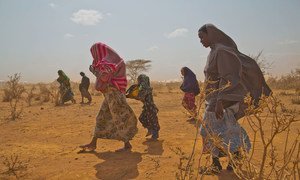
(252, 77)
(190, 83)
(144, 86)
(144, 82)
(63, 78)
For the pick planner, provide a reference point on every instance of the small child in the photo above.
(148, 117)
(190, 87)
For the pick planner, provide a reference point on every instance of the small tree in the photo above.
(135, 67)
(13, 93)
(262, 63)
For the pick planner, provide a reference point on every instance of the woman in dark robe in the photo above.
(231, 75)
(190, 87)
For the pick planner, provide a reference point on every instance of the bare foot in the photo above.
(148, 133)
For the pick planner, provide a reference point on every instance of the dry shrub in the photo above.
(13, 89)
(30, 95)
(153, 170)
(268, 122)
(289, 81)
(185, 166)
(296, 100)
(157, 86)
(172, 86)
(284, 93)
(297, 91)
(75, 87)
(15, 166)
(6, 96)
(13, 93)
(54, 92)
(271, 160)
(44, 95)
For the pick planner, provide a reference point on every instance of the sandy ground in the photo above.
(49, 137)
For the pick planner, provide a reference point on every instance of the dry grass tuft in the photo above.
(16, 167)
(296, 100)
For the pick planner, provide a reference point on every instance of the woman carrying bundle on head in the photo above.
(115, 120)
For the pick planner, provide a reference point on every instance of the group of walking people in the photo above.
(230, 74)
(65, 90)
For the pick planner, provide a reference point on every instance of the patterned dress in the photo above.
(148, 117)
(223, 134)
(115, 120)
(188, 102)
(190, 87)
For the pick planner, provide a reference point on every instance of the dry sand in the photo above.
(49, 137)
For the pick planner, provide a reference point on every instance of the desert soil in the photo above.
(48, 137)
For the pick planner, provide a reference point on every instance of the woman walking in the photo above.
(190, 87)
(115, 120)
(148, 117)
(231, 75)
(65, 90)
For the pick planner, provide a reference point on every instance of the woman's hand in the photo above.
(92, 69)
(219, 110)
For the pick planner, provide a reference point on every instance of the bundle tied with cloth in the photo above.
(132, 92)
(106, 67)
(141, 89)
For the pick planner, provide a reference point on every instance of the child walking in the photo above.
(148, 117)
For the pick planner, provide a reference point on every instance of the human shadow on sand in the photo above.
(227, 175)
(154, 147)
(118, 165)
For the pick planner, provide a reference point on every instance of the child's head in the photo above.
(143, 78)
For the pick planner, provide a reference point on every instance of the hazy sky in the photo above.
(38, 37)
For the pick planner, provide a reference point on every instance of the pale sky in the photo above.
(38, 37)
